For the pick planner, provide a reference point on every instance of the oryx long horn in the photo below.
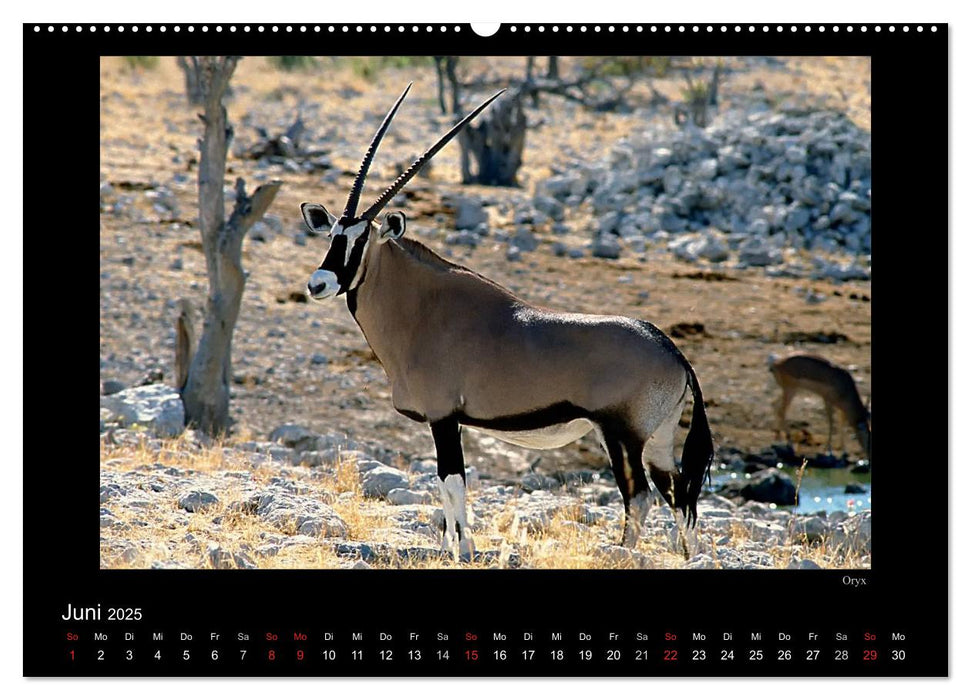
(413, 169)
(350, 209)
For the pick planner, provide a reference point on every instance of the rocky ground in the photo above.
(306, 500)
(747, 238)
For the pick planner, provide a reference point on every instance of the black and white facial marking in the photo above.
(343, 267)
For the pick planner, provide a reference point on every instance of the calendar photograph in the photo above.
(485, 312)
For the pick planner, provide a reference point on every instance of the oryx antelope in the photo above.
(810, 373)
(460, 350)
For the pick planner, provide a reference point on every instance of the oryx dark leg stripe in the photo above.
(451, 471)
(615, 452)
(635, 448)
(448, 446)
(640, 501)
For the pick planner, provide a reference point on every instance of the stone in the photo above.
(260, 232)
(661, 156)
(112, 491)
(561, 187)
(605, 247)
(319, 359)
(111, 386)
(709, 245)
(759, 228)
(855, 532)
(424, 466)
(672, 180)
(682, 247)
(804, 564)
(242, 560)
(538, 482)
(700, 561)
(624, 558)
(797, 218)
(156, 407)
(608, 223)
(814, 529)
(379, 481)
(756, 252)
(706, 169)
(524, 239)
(469, 213)
(307, 515)
(197, 501)
(463, 238)
(218, 557)
(846, 271)
(770, 486)
(407, 497)
(294, 436)
(765, 486)
(355, 550)
(796, 154)
(550, 206)
(844, 212)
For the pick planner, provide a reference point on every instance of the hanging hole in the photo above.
(485, 28)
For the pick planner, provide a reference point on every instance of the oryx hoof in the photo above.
(466, 550)
(448, 545)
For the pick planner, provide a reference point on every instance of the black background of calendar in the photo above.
(905, 592)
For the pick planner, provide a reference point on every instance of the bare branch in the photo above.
(248, 210)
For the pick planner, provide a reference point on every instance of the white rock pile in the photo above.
(747, 187)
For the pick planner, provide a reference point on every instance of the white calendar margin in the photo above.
(11, 274)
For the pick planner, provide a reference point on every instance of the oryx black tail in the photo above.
(697, 455)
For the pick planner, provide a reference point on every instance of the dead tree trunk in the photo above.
(206, 390)
(190, 69)
(713, 86)
(528, 83)
(440, 74)
(453, 82)
(553, 69)
(445, 69)
(495, 143)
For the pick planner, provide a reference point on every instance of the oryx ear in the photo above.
(393, 227)
(317, 218)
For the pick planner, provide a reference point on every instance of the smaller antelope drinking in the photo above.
(810, 373)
